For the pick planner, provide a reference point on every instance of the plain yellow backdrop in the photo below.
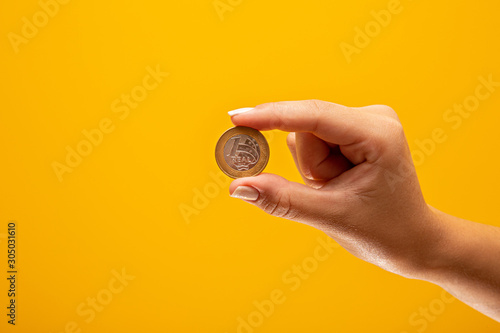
(122, 206)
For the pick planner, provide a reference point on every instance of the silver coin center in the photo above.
(241, 152)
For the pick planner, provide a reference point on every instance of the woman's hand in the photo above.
(362, 190)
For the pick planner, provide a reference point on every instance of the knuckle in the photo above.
(394, 129)
(386, 137)
(317, 109)
(277, 120)
(388, 111)
(279, 205)
(318, 104)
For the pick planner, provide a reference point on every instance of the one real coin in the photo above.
(242, 152)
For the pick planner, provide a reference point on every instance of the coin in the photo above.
(242, 152)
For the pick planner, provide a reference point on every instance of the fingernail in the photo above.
(238, 111)
(246, 193)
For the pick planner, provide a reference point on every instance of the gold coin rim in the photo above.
(257, 168)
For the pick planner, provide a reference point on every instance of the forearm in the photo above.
(466, 263)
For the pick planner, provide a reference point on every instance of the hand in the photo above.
(362, 188)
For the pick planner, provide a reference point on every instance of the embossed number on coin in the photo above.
(242, 152)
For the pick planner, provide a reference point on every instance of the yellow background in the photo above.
(121, 207)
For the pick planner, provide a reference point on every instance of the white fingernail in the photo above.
(238, 111)
(246, 193)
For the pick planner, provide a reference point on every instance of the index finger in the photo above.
(331, 122)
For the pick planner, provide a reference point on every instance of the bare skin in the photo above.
(362, 190)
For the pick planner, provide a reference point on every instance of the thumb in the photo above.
(279, 197)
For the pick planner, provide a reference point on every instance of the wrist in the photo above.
(431, 255)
